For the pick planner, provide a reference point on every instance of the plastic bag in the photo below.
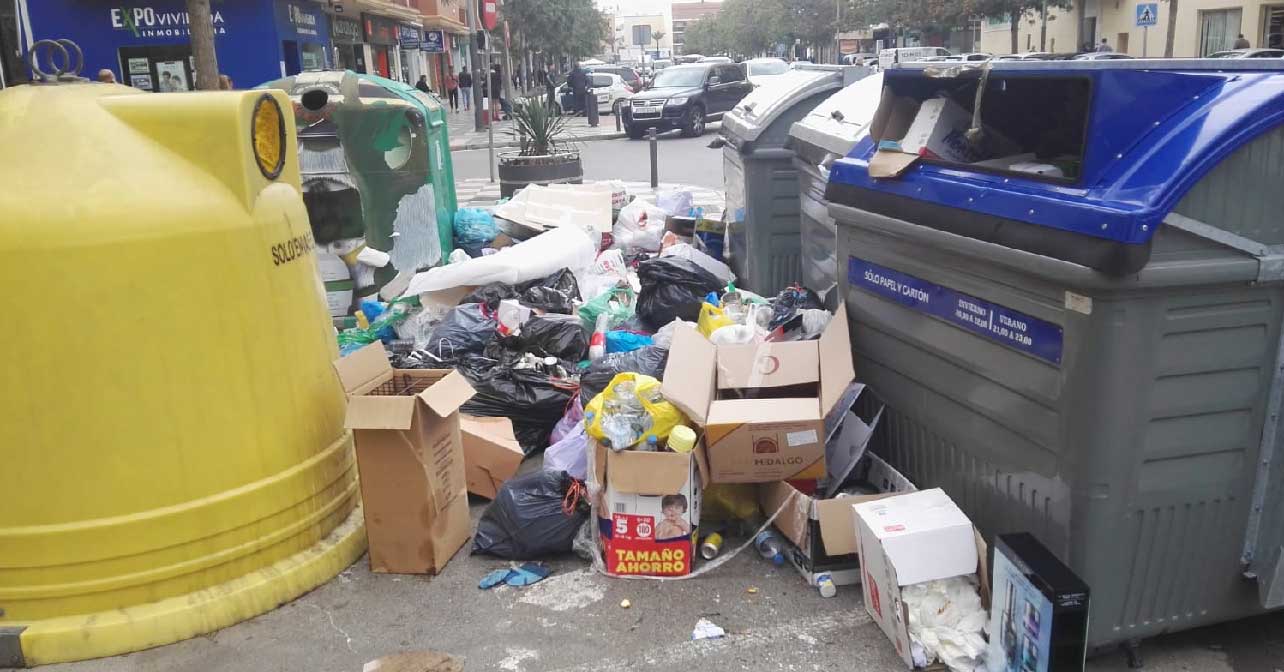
(547, 253)
(607, 271)
(474, 226)
(526, 520)
(664, 335)
(674, 201)
(708, 263)
(625, 341)
(383, 321)
(549, 335)
(574, 416)
(570, 453)
(534, 401)
(618, 303)
(467, 328)
(946, 619)
(639, 227)
(711, 319)
(672, 287)
(791, 300)
(555, 294)
(648, 361)
(664, 415)
(733, 334)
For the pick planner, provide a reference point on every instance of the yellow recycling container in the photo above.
(172, 452)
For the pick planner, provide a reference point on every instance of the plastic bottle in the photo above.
(682, 439)
(770, 546)
(825, 584)
(652, 444)
(597, 343)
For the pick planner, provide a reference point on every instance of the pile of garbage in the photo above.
(673, 409)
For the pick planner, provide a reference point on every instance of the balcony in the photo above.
(448, 15)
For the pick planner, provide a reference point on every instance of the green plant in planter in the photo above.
(538, 127)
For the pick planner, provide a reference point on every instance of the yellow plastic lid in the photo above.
(682, 439)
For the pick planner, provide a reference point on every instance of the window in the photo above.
(1218, 29)
(1273, 30)
(600, 81)
(730, 73)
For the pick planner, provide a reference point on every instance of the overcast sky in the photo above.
(626, 7)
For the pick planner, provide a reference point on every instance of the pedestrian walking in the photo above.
(497, 104)
(550, 85)
(224, 83)
(1241, 42)
(452, 90)
(1104, 46)
(466, 83)
(422, 84)
(106, 76)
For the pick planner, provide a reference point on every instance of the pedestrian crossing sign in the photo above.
(1147, 14)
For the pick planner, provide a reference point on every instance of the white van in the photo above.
(887, 57)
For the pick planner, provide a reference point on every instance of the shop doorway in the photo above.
(383, 67)
(1273, 30)
(162, 69)
(290, 50)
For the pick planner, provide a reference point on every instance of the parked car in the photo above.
(761, 70)
(609, 89)
(630, 76)
(686, 97)
(887, 57)
(1100, 56)
(860, 59)
(1248, 53)
(1030, 56)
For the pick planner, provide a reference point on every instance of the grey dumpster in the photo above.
(761, 182)
(1085, 343)
(827, 132)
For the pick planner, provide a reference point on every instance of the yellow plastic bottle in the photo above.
(682, 439)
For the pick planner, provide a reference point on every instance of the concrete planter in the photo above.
(517, 171)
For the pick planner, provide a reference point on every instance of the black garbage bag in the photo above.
(649, 361)
(556, 293)
(791, 300)
(466, 329)
(672, 287)
(526, 521)
(552, 335)
(535, 401)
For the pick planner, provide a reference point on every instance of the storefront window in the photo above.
(312, 56)
(1273, 30)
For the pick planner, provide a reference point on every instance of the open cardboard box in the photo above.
(405, 424)
(762, 406)
(912, 538)
(824, 530)
(638, 535)
(491, 453)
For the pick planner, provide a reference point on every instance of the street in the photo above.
(681, 160)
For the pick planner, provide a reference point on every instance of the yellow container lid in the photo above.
(682, 439)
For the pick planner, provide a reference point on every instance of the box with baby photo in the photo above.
(651, 507)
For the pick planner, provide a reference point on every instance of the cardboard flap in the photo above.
(702, 462)
(836, 369)
(364, 369)
(446, 395)
(379, 412)
(767, 364)
(643, 473)
(838, 524)
(742, 411)
(690, 374)
(792, 521)
(887, 164)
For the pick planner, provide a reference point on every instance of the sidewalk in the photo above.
(462, 135)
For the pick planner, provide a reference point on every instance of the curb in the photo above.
(509, 144)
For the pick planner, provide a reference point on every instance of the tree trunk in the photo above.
(1015, 22)
(1172, 28)
(202, 38)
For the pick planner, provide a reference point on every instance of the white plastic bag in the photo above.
(607, 271)
(570, 454)
(541, 256)
(675, 201)
(639, 227)
(946, 619)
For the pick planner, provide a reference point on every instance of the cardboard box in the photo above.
(824, 530)
(653, 504)
(762, 406)
(908, 539)
(935, 129)
(1039, 619)
(491, 453)
(405, 424)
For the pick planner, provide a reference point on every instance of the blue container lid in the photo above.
(1154, 128)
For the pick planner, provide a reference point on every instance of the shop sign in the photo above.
(301, 20)
(144, 21)
(379, 30)
(345, 31)
(434, 41)
(410, 37)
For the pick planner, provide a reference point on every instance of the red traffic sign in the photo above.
(490, 13)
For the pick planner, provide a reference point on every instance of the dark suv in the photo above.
(686, 97)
